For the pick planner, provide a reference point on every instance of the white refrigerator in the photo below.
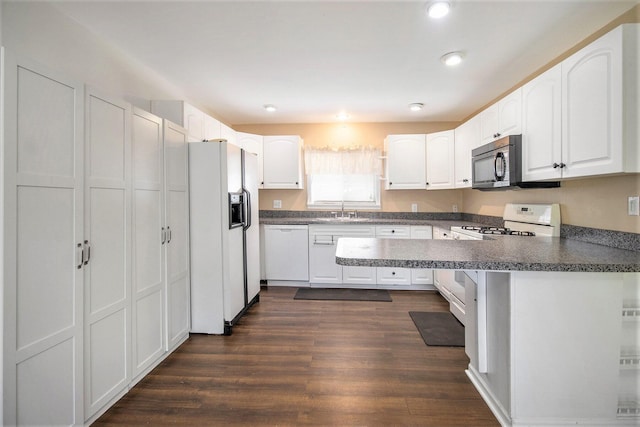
(225, 239)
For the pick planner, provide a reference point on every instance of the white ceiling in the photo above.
(313, 59)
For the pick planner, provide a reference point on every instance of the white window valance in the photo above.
(351, 161)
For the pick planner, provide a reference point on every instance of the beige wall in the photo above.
(589, 202)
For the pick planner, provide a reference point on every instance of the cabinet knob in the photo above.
(393, 273)
(562, 165)
(393, 231)
(556, 165)
(391, 183)
(465, 180)
(296, 182)
(427, 183)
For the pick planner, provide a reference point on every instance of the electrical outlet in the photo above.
(414, 207)
(633, 205)
(277, 204)
(455, 208)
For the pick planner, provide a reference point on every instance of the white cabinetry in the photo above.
(393, 275)
(440, 160)
(107, 277)
(600, 108)
(286, 252)
(405, 165)
(502, 118)
(253, 144)
(282, 158)
(467, 137)
(323, 269)
(149, 274)
(422, 276)
(44, 246)
(542, 126)
(176, 191)
(228, 134)
(199, 125)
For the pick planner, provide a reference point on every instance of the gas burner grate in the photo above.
(497, 230)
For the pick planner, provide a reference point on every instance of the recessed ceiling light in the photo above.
(342, 116)
(438, 9)
(270, 108)
(452, 59)
(416, 106)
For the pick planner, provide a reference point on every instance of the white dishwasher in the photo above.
(286, 252)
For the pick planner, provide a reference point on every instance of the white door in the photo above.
(322, 258)
(282, 162)
(592, 108)
(405, 165)
(43, 275)
(253, 231)
(440, 160)
(234, 289)
(253, 144)
(148, 281)
(107, 276)
(177, 232)
(467, 137)
(510, 111)
(542, 127)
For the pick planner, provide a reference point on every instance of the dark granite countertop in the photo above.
(447, 224)
(509, 253)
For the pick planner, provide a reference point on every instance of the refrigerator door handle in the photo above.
(247, 207)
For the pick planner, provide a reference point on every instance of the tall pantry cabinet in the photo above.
(96, 236)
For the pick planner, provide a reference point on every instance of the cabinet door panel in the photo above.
(148, 286)
(43, 286)
(541, 126)
(592, 108)
(282, 162)
(177, 221)
(405, 165)
(440, 160)
(107, 231)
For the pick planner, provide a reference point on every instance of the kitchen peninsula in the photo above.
(553, 326)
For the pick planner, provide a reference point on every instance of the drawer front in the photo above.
(393, 276)
(421, 276)
(421, 232)
(393, 231)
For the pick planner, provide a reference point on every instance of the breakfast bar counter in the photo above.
(496, 253)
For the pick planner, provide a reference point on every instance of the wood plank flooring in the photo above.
(297, 362)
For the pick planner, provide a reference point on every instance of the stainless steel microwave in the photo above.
(498, 166)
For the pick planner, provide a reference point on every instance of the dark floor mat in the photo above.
(343, 294)
(439, 328)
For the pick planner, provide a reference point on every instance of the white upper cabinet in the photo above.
(467, 137)
(502, 118)
(541, 127)
(229, 134)
(440, 160)
(600, 115)
(282, 160)
(200, 126)
(253, 144)
(405, 165)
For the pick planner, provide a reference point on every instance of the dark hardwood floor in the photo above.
(293, 362)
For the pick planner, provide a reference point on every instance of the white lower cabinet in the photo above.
(85, 200)
(393, 276)
(323, 269)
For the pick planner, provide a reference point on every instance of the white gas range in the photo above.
(526, 220)
(519, 220)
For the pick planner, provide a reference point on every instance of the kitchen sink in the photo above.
(343, 219)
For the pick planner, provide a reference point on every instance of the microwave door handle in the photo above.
(503, 166)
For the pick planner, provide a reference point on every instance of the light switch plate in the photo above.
(633, 205)
(277, 204)
(455, 208)
(414, 207)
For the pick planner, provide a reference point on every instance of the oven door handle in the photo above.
(503, 166)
